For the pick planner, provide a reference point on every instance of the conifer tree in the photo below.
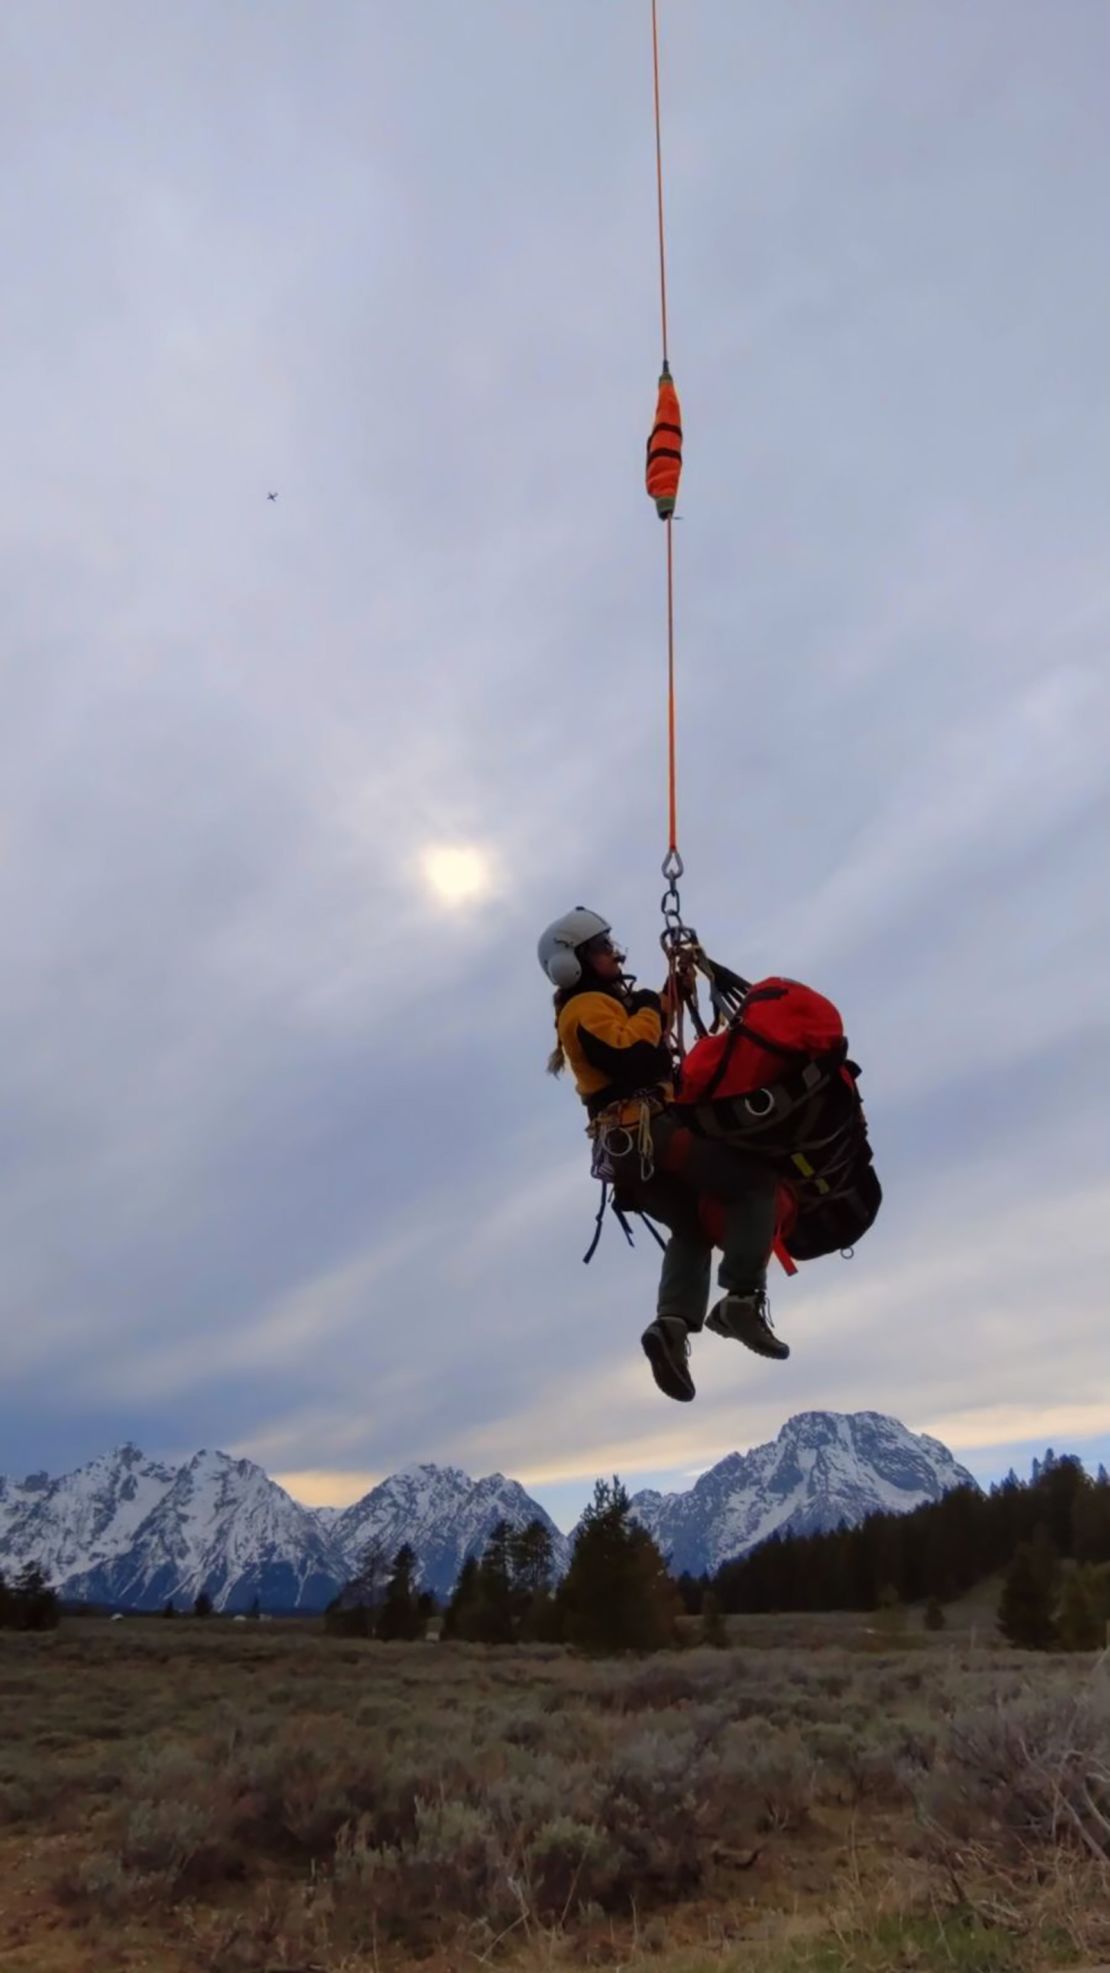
(399, 1616)
(506, 1593)
(1025, 1607)
(493, 1620)
(531, 1560)
(1091, 1523)
(713, 1628)
(617, 1595)
(366, 1588)
(691, 1589)
(458, 1617)
(1046, 1561)
(32, 1604)
(1080, 1625)
(532, 1570)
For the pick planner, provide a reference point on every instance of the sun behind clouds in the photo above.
(457, 873)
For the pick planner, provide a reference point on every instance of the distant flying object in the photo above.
(271, 496)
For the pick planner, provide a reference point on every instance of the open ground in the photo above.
(190, 1797)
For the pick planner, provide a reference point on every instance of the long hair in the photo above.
(557, 1061)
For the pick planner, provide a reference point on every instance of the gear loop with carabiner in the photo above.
(683, 952)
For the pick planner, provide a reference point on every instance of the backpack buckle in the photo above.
(759, 1103)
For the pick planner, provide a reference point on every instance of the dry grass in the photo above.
(216, 1799)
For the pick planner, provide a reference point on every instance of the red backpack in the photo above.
(777, 1082)
(780, 1022)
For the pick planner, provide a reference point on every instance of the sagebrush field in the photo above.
(218, 1798)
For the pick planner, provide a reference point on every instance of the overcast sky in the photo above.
(280, 1170)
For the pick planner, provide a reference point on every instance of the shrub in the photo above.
(166, 1835)
(1035, 1772)
(571, 1864)
(655, 1687)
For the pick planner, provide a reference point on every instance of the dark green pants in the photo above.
(745, 1187)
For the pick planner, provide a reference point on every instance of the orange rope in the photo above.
(659, 172)
(672, 752)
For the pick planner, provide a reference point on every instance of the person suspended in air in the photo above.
(614, 1038)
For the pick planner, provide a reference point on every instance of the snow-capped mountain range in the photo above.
(132, 1532)
(129, 1531)
(825, 1468)
(444, 1515)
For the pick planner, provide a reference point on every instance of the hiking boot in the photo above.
(747, 1319)
(666, 1345)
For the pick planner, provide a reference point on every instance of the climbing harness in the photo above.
(614, 1139)
(609, 1203)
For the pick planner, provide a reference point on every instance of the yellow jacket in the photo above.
(616, 1049)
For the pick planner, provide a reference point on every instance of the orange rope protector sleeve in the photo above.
(664, 451)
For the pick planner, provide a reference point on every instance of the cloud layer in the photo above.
(279, 1168)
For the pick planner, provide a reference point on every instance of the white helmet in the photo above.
(558, 946)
